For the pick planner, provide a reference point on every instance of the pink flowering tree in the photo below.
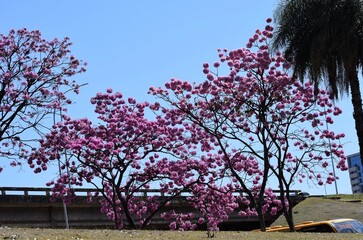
(197, 179)
(263, 122)
(215, 203)
(123, 157)
(34, 82)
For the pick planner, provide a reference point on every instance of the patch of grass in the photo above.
(78, 234)
(328, 207)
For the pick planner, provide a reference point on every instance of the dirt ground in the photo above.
(84, 234)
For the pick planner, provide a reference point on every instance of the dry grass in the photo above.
(330, 207)
(43, 234)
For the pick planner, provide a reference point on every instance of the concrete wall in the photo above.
(38, 211)
(25, 209)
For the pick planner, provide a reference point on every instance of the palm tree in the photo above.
(324, 40)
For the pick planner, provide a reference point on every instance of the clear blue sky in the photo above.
(132, 45)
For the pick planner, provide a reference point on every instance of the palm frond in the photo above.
(324, 39)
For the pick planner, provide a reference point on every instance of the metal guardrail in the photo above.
(26, 191)
(145, 192)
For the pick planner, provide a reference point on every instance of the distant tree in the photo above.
(34, 84)
(324, 40)
(261, 122)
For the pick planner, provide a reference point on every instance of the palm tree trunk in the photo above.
(357, 111)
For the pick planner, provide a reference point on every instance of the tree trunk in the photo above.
(152, 214)
(261, 218)
(285, 196)
(127, 213)
(357, 111)
(288, 215)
